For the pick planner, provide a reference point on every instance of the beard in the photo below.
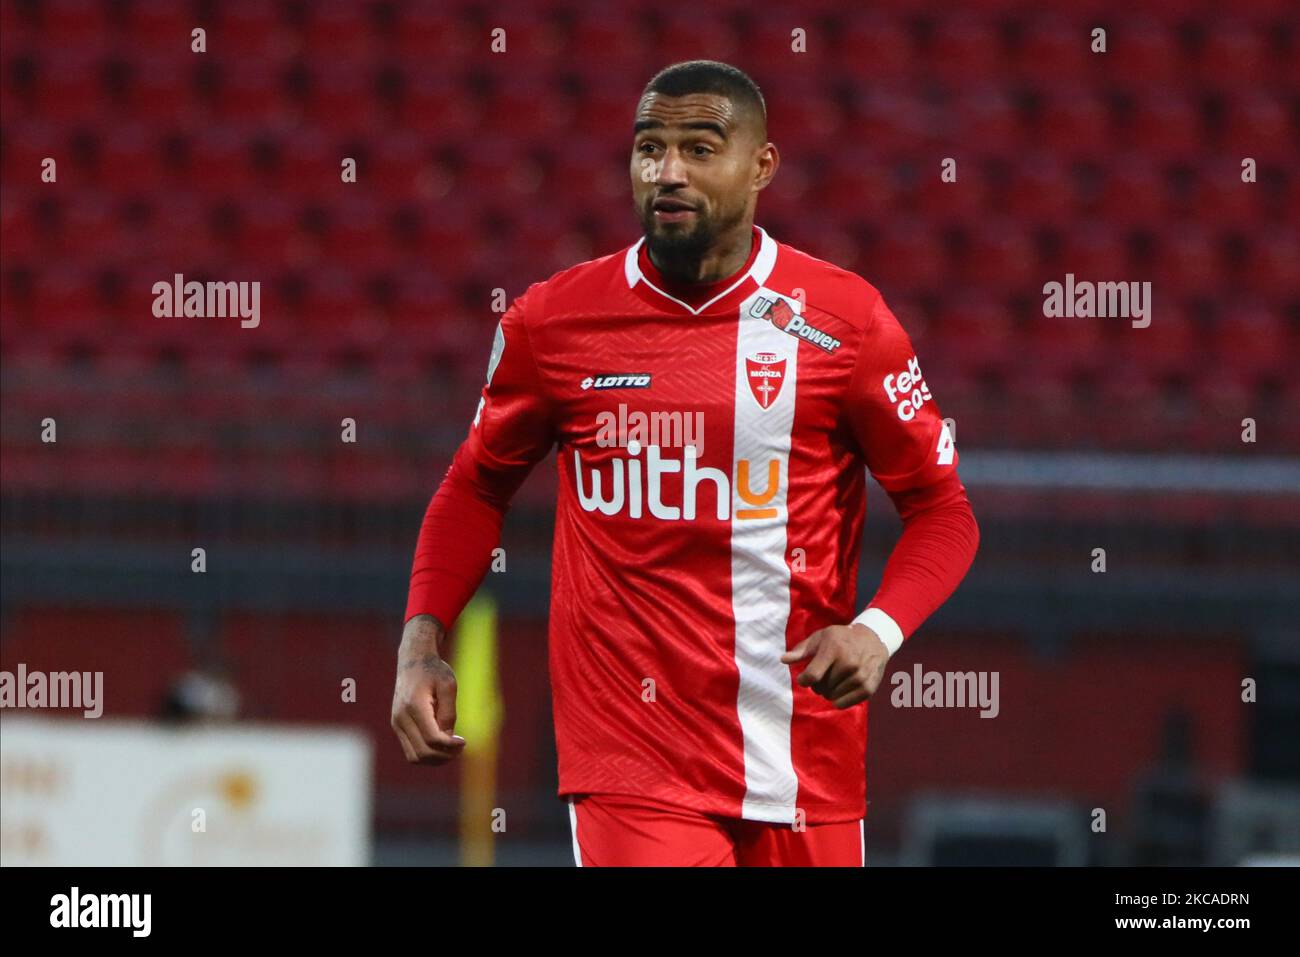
(678, 248)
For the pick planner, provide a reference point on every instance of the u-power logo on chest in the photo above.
(779, 314)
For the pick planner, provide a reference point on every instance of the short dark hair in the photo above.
(710, 76)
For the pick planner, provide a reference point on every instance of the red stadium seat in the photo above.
(1258, 125)
(605, 38)
(82, 25)
(1273, 263)
(1069, 347)
(164, 89)
(977, 335)
(1049, 396)
(873, 48)
(1170, 345)
(432, 33)
(1237, 50)
(69, 87)
(1252, 340)
(1132, 192)
(221, 160)
(1075, 121)
(859, 180)
(911, 256)
(1189, 261)
(255, 30)
(800, 111)
(681, 36)
(893, 119)
(1164, 126)
(1147, 53)
(339, 33)
(1093, 253)
(525, 103)
(1056, 51)
(254, 95)
(433, 105)
(1136, 397)
(984, 120)
(1001, 257)
(966, 46)
(1220, 196)
(343, 97)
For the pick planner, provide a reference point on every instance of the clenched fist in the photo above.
(424, 699)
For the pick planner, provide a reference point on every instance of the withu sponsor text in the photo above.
(639, 485)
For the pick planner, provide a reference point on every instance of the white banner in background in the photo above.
(101, 793)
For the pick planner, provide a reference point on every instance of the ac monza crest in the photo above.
(765, 374)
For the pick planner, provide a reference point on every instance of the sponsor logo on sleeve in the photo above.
(907, 390)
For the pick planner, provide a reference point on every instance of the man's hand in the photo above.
(847, 664)
(424, 700)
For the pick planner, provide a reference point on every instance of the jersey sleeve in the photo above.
(892, 413)
(908, 449)
(512, 427)
(511, 432)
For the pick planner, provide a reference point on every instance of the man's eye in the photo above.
(645, 146)
(702, 150)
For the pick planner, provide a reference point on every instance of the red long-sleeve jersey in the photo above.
(712, 445)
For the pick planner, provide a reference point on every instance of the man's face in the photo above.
(696, 170)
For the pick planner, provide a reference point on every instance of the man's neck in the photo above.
(722, 260)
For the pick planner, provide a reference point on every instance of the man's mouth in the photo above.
(668, 209)
(671, 204)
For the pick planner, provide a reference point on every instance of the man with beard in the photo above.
(709, 675)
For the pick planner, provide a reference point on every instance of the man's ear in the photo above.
(769, 159)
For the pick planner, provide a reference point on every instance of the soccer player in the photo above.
(716, 398)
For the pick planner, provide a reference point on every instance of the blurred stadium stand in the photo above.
(479, 172)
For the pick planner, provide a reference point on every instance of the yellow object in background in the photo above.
(479, 714)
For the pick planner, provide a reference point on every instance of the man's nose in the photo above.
(672, 170)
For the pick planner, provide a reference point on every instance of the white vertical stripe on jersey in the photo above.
(573, 824)
(760, 577)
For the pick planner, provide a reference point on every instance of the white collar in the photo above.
(759, 270)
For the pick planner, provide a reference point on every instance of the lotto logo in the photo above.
(907, 390)
(617, 380)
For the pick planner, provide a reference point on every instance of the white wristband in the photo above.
(884, 626)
